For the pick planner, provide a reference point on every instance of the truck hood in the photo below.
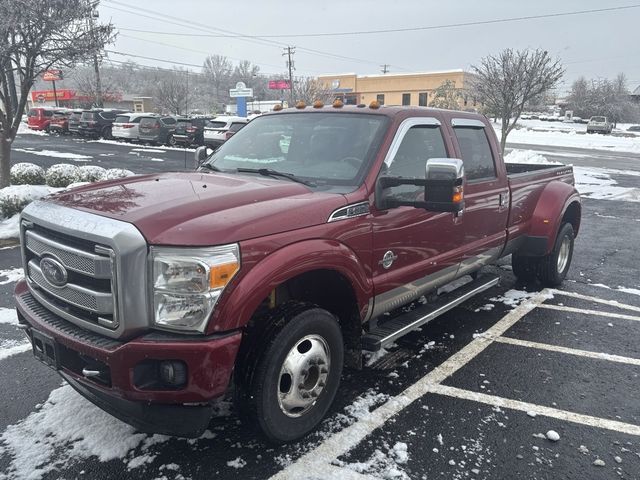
(204, 209)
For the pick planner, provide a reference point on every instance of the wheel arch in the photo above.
(559, 203)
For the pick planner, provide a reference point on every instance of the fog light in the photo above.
(173, 373)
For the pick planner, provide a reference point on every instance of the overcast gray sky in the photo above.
(594, 45)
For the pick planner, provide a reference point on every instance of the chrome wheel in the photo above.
(563, 254)
(303, 375)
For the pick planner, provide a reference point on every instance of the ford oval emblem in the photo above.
(53, 271)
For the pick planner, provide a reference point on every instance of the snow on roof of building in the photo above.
(403, 74)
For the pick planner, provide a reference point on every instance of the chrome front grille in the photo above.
(88, 294)
(103, 264)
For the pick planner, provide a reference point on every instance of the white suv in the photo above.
(599, 125)
(220, 129)
(126, 125)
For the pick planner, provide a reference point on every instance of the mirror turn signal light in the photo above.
(458, 195)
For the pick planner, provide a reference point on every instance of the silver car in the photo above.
(220, 129)
(126, 125)
(599, 125)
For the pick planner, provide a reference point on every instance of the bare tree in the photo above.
(309, 90)
(217, 71)
(172, 93)
(610, 98)
(446, 96)
(245, 72)
(505, 82)
(34, 37)
(85, 83)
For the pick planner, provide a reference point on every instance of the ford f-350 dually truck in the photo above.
(274, 264)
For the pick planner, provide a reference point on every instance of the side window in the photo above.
(48, 113)
(236, 126)
(476, 153)
(169, 121)
(419, 144)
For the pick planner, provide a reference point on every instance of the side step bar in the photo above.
(399, 326)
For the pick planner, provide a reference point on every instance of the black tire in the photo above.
(260, 378)
(106, 133)
(171, 141)
(552, 272)
(524, 268)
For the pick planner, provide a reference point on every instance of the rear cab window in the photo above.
(475, 150)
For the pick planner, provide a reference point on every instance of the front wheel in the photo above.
(292, 382)
(171, 140)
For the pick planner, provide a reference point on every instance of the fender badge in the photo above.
(388, 259)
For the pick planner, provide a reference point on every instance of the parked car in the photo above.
(98, 122)
(264, 271)
(39, 118)
(60, 122)
(126, 126)
(190, 131)
(634, 128)
(74, 121)
(599, 125)
(157, 130)
(216, 130)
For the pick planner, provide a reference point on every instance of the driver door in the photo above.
(414, 250)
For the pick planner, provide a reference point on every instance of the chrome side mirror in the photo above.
(444, 185)
(200, 155)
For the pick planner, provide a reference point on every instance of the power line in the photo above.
(399, 30)
(227, 33)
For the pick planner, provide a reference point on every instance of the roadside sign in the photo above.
(279, 85)
(241, 92)
(52, 75)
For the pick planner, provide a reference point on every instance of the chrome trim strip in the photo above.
(130, 259)
(439, 311)
(397, 297)
(353, 210)
(101, 268)
(467, 122)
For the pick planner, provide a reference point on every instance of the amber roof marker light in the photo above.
(374, 105)
(300, 105)
(337, 103)
(318, 104)
(277, 107)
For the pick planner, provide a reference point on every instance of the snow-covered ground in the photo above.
(536, 132)
(54, 154)
(591, 182)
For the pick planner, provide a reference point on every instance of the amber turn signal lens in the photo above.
(222, 274)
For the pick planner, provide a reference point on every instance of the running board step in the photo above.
(393, 329)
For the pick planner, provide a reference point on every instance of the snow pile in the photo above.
(54, 154)
(27, 174)
(10, 276)
(91, 173)
(14, 198)
(528, 157)
(68, 429)
(513, 298)
(115, 173)
(8, 316)
(62, 175)
(23, 128)
(382, 464)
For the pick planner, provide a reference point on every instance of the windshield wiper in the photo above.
(268, 172)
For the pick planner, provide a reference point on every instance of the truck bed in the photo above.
(526, 183)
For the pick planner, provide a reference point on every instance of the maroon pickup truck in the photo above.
(274, 264)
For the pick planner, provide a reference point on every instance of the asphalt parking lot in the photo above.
(472, 395)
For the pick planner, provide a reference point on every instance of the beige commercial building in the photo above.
(396, 88)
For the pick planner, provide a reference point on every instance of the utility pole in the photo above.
(385, 68)
(289, 52)
(92, 13)
(186, 97)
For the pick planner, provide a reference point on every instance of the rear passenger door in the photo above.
(486, 193)
(413, 250)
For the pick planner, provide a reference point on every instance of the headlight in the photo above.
(188, 282)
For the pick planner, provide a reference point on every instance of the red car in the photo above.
(294, 246)
(60, 122)
(39, 118)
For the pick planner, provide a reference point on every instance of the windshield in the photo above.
(324, 148)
